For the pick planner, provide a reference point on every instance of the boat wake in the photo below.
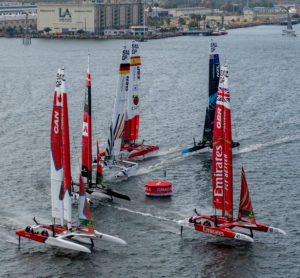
(256, 147)
(163, 218)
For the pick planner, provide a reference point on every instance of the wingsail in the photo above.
(117, 125)
(245, 207)
(56, 153)
(87, 130)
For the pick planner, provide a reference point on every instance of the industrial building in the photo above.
(90, 16)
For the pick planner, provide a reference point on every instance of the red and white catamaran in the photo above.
(131, 127)
(222, 223)
(63, 234)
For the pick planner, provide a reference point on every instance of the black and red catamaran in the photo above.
(213, 84)
(222, 223)
(97, 187)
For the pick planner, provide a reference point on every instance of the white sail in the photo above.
(135, 67)
(117, 125)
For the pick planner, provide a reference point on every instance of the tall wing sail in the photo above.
(207, 131)
(218, 156)
(56, 155)
(85, 223)
(289, 25)
(65, 193)
(99, 175)
(228, 184)
(245, 208)
(87, 130)
(222, 150)
(131, 127)
(213, 83)
(117, 125)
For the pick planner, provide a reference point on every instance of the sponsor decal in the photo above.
(213, 232)
(125, 54)
(127, 83)
(135, 48)
(56, 122)
(219, 171)
(213, 46)
(85, 129)
(219, 117)
(135, 99)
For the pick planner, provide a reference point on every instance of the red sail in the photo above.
(218, 155)
(228, 183)
(99, 175)
(245, 208)
(56, 130)
(222, 150)
(87, 132)
(66, 155)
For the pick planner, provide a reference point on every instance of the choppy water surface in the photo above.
(264, 82)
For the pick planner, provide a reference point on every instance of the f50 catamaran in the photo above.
(222, 222)
(289, 29)
(96, 188)
(63, 234)
(112, 159)
(213, 83)
(131, 128)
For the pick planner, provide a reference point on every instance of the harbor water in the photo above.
(264, 82)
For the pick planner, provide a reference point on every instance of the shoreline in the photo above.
(163, 35)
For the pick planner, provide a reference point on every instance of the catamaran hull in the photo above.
(140, 150)
(109, 238)
(58, 242)
(224, 228)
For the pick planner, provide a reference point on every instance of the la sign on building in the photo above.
(66, 17)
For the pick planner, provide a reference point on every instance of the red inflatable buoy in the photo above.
(158, 188)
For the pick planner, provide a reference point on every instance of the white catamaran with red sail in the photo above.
(97, 187)
(222, 223)
(63, 234)
(213, 83)
(112, 152)
(131, 127)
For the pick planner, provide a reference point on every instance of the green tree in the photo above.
(168, 21)
(80, 31)
(181, 21)
(47, 30)
(193, 24)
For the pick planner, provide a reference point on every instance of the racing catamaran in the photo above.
(63, 234)
(289, 29)
(96, 188)
(112, 152)
(213, 77)
(131, 127)
(222, 223)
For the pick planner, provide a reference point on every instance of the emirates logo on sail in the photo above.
(85, 130)
(218, 191)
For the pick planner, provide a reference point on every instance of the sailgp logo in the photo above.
(85, 129)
